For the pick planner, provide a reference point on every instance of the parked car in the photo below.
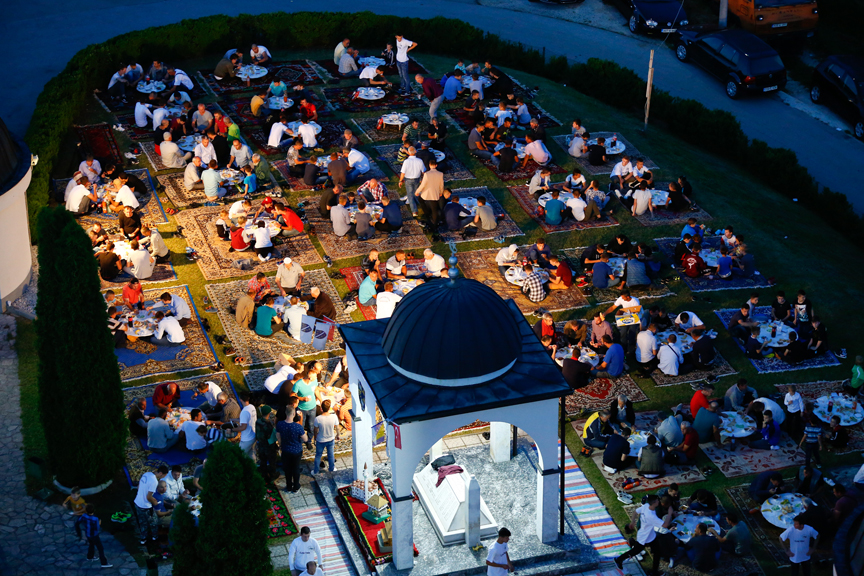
(744, 61)
(838, 82)
(648, 16)
(776, 18)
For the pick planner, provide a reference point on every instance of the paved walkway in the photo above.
(37, 538)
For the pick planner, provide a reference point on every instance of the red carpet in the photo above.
(98, 139)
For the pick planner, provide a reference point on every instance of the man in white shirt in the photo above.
(622, 174)
(259, 54)
(179, 78)
(307, 132)
(403, 46)
(168, 331)
(369, 74)
(142, 113)
(241, 155)
(312, 569)
(289, 277)
(277, 135)
(210, 391)
(642, 200)
(577, 207)
(347, 64)
(202, 119)
(179, 98)
(799, 536)
(358, 163)
(71, 184)
(326, 430)
(648, 524)
(248, 419)
(670, 359)
(303, 550)
(435, 265)
(91, 168)
(498, 559)
(385, 302)
(536, 150)
(172, 156)
(273, 384)
(141, 263)
(646, 350)
(340, 49)
(205, 151)
(117, 85)
(124, 197)
(239, 208)
(628, 304)
(144, 502)
(192, 175)
(410, 174)
(81, 199)
(175, 489)
(578, 146)
(189, 429)
(177, 307)
(687, 322)
(159, 114)
(293, 318)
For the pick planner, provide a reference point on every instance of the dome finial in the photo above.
(453, 271)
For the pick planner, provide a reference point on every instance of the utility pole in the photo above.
(648, 89)
(724, 12)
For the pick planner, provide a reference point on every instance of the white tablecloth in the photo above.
(736, 425)
(143, 323)
(294, 126)
(611, 150)
(520, 148)
(370, 93)
(562, 196)
(395, 119)
(375, 209)
(515, 275)
(586, 355)
(148, 87)
(782, 509)
(659, 197)
(685, 341)
(780, 340)
(684, 525)
(371, 61)
(484, 80)
(403, 286)
(188, 143)
(848, 409)
(279, 103)
(251, 71)
(637, 440)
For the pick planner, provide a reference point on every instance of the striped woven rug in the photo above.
(323, 527)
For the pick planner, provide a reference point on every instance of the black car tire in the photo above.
(635, 24)
(815, 94)
(733, 88)
(681, 52)
(859, 129)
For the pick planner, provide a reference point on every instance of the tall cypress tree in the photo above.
(184, 537)
(80, 396)
(233, 526)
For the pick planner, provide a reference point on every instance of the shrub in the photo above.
(80, 398)
(233, 525)
(184, 538)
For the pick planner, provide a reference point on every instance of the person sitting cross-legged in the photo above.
(616, 456)
(598, 430)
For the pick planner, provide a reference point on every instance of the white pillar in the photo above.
(402, 463)
(472, 512)
(500, 438)
(361, 432)
(547, 505)
(436, 451)
(402, 518)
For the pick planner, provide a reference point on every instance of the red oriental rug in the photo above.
(291, 73)
(354, 275)
(98, 139)
(519, 173)
(331, 131)
(463, 119)
(599, 394)
(341, 99)
(281, 522)
(529, 205)
(414, 68)
(365, 533)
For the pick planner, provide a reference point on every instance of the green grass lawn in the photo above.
(789, 243)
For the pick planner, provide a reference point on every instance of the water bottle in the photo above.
(773, 331)
(830, 406)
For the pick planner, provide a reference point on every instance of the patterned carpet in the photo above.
(674, 474)
(369, 127)
(599, 394)
(744, 461)
(354, 275)
(703, 284)
(331, 132)
(196, 93)
(525, 173)
(149, 149)
(506, 227)
(297, 184)
(291, 73)
(341, 99)
(258, 350)
(590, 170)
(410, 238)
(98, 139)
(810, 391)
(463, 119)
(181, 197)
(217, 262)
(663, 217)
(608, 295)
(127, 120)
(719, 368)
(529, 205)
(454, 168)
(480, 265)
(137, 462)
(332, 69)
(333, 553)
(142, 359)
(775, 364)
(152, 212)
(242, 113)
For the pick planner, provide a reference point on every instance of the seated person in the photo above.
(540, 183)
(724, 265)
(702, 550)
(650, 461)
(188, 432)
(597, 152)
(642, 174)
(168, 332)
(677, 202)
(807, 481)
(533, 285)
(673, 493)
(457, 216)
(582, 209)
(616, 456)
(683, 248)
(507, 156)
(268, 322)
(817, 346)
(756, 350)
(166, 396)
(635, 272)
(505, 259)
(844, 506)
(538, 254)
(703, 502)
(702, 353)
(368, 292)
(560, 276)
(766, 485)
(536, 150)
(741, 324)
(695, 266)
(137, 419)
(598, 430)
(708, 423)
(668, 431)
(836, 438)
(110, 264)
(621, 412)
(575, 372)
(686, 451)
(736, 540)
(554, 210)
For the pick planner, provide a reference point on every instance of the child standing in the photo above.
(812, 441)
(92, 528)
(76, 506)
(794, 407)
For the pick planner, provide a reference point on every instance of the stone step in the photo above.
(566, 563)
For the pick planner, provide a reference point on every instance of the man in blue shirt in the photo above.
(92, 529)
(602, 273)
(453, 86)
(367, 292)
(538, 253)
(554, 210)
(391, 216)
(612, 365)
(456, 215)
(692, 229)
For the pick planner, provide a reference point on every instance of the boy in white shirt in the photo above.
(385, 302)
(498, 559)
(302, 551)
(142, 113)
(799, 537)
(622, 175)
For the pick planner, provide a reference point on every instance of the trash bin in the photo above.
(36, 468)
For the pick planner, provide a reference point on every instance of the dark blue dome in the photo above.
(452, 332)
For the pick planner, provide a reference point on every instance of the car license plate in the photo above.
(781, 25)
(769, 88)
(667, 30)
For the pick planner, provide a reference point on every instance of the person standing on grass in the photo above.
(498, 559)
(812, 439)
(403, 46)
(648, 523)
(801, 548)
(92, 529)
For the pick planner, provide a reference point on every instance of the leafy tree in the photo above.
(184, 536)
(80, 397)
(233, 526)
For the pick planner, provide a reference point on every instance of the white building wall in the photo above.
(15, 257)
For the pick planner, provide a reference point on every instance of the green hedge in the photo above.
(716, 131)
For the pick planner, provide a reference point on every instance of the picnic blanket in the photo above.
(589, 169)
(529, 205)
(292, 72)
(342, 99)
(354, 275)
(703, 283)
(98, 139)
(452, 167)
